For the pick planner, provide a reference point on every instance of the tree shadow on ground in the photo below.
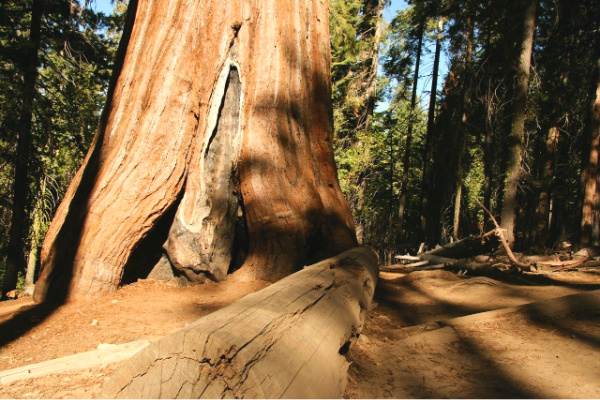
(461, 359)
(70, 232)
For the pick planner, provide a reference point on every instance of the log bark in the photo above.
(216, 141)
(287, 340)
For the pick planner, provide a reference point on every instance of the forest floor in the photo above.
(416, 342)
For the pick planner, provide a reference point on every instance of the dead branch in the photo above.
(467, 247)
(500, 234)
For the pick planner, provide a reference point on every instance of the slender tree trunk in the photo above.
(458, 198)
(427, 178)
(391, 236)
(409, 132)
(218, 131)
(36, 238)
(488, 162)
(542, 211)
(509, 203)
(589, 220)
(15, 259)
(488, 140)
(462, 125)
(370, 32)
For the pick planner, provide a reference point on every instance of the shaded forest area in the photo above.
(514, 129)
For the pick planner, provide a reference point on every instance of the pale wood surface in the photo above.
(106, 354)
(285, 341)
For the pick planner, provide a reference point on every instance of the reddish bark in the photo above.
(158, 154)
(589, 220)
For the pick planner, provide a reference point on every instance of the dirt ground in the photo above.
(417, 342)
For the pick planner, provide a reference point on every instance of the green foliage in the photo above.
(20, 282)
(76, 52)
(474, 109)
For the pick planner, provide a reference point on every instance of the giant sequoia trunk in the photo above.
(214, 148)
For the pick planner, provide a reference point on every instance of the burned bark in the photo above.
(201, 238)
(222, 110)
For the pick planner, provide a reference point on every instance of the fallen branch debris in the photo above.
(476, 254)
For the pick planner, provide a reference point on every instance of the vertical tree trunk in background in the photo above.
(487, 173)
(392, 178)
(15, 260)
(509, 203)
(542, 211)
(488, 153)
(36, 237)
(427, 179)
(465, 99)
(370, 32)
(216, 141)
(409, 133)
(589, 220)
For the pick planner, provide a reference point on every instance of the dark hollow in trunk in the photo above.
(205, 248)
(219, 112)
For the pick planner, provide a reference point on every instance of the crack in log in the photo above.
(141, 374)
(228, 353)
(233, 384)
(265, 300)
(324, 336)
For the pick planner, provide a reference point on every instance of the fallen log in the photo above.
(417, 264)
(500, 234)
(407, 257)
(588, 252)
(287, 340)
(434, 259)
(467, 247)
(405, 269)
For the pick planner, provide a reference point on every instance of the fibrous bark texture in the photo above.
(216, 142)
(286, 341)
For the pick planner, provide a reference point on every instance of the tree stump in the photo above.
(285, 341)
